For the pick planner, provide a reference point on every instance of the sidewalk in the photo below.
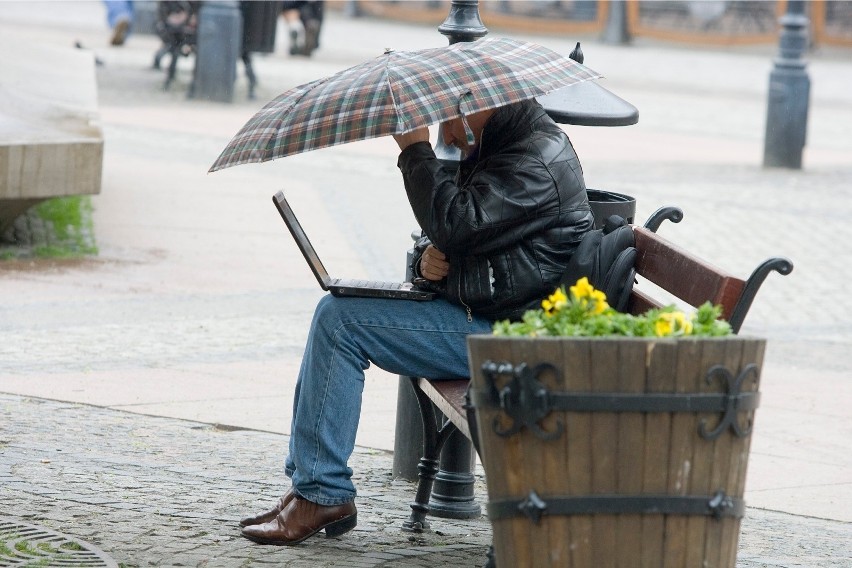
(195, 312)
(164, 492)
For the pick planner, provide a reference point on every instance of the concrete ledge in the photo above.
(51, 144)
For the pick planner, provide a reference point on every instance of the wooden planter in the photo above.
(615, 452)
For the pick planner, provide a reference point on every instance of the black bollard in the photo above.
(145, 18)
(352, 9)
(789, 92)
(220, 38)
(616, 31)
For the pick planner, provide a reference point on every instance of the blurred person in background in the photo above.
(304, 22)
(120, 19)
(176, 26)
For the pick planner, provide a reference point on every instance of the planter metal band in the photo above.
(527, 401)
(534, 507)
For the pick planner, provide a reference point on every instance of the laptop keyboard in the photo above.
(369, 284)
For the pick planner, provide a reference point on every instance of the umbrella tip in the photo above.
(388, 50)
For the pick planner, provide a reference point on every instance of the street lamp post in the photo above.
(789, 91)
(452, 491)
(463, 22)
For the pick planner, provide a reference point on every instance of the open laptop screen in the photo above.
(302, 239)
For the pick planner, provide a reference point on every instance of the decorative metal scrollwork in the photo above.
(729, 418)
(524, 399)
(527, 401)
(533, 507)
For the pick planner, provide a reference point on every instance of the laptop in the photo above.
(339, 286)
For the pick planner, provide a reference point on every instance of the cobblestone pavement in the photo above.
(155, 491)
(161, 492)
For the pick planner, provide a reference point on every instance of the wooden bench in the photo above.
(668, 266)
(51, 143)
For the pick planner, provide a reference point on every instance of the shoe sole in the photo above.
(332, 529)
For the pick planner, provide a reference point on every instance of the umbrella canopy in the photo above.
(398, 92)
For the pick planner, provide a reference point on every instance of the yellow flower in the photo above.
(672, 323)
(582, 289)
(663, 327)
(554, 302)
(585, 295)
(584, 311)
(599, 299)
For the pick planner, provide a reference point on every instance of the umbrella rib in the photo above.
(392, 95)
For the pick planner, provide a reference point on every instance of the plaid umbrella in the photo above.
(399, 92)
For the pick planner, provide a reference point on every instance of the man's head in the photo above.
(454, 134)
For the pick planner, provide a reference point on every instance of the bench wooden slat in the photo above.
(640, 302)
(686, 276)
(448, 396)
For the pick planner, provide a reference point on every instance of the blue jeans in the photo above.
(420, 339)
(118, 10)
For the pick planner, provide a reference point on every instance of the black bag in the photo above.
(606, 257)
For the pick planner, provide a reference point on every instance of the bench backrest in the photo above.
(682, 274)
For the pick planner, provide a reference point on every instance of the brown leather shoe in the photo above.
(302, 519)
(272, 513)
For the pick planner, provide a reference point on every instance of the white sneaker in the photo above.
(297, 38)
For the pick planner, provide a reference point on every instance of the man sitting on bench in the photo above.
(500, 236)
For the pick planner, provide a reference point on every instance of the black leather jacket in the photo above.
(511, 219)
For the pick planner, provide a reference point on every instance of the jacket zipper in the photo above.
(469, 176)
(467, 308)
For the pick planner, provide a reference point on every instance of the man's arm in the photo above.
(433, 263)
(413, 137)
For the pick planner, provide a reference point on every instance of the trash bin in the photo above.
(260, 20)
(220, 30)
(606, 203)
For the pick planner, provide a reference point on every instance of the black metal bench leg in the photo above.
(453, 490)
(433, 441)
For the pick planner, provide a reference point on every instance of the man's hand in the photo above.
(409, 138)
(433, 264)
